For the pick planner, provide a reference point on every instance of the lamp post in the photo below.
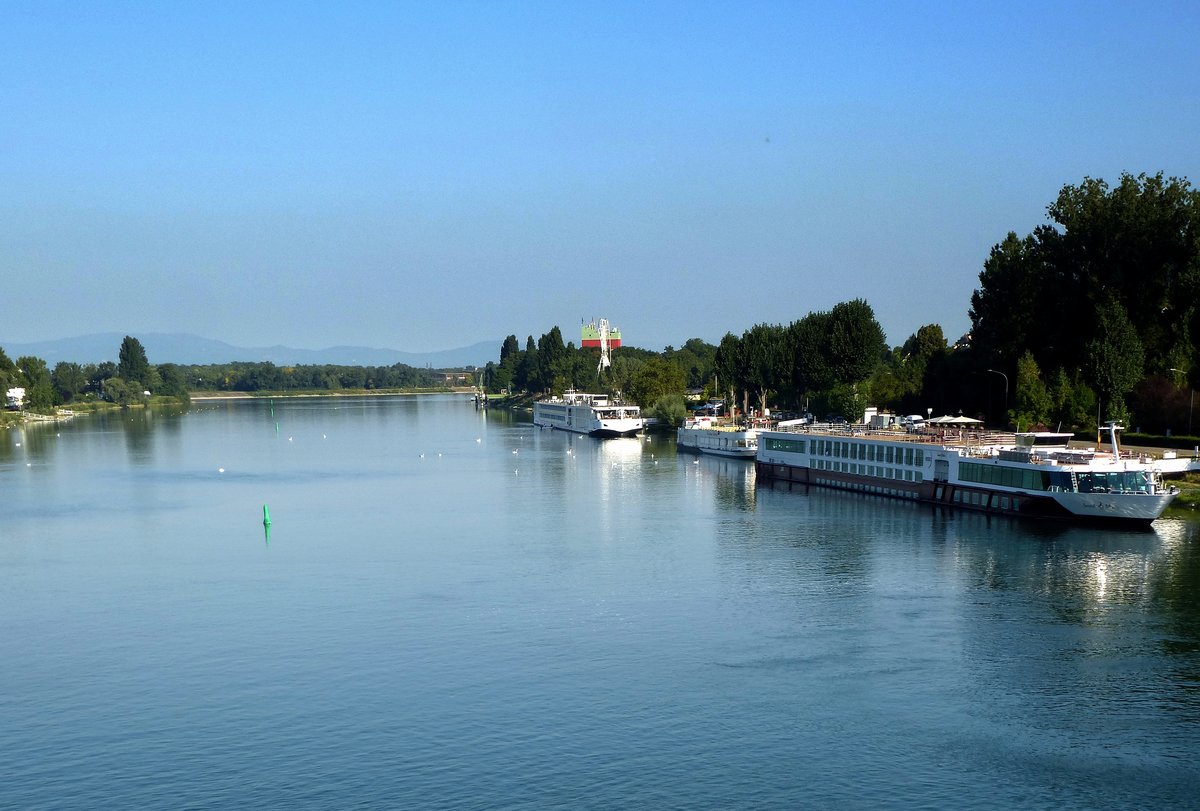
(1191, 400)
(993, 371)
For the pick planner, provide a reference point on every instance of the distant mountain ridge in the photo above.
(192, 349)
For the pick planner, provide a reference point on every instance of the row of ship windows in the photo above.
(864, 451)
(974, 498)
(866, 488)
(1012, 476)
(870, 470)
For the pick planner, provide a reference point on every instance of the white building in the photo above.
(15, 398)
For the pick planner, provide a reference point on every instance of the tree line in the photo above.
(124, 382)
(133, 379)
(1090, 317)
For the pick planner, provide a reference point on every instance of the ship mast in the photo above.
(605, 352)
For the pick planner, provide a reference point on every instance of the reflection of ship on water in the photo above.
(1078, 571)
(620, 453)
(732, 479)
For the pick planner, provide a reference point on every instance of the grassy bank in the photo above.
(1189, 493)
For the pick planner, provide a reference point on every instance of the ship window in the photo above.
(919, 476)
(1004, 502)
(920, 457)
(908, 456)
(789, 445)
(891, 455)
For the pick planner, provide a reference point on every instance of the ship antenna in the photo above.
(605, 354)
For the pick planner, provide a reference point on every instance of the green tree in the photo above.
(552, 362)
(526, 376)
(1074, 401)
(764, 360)
(1033, 401)
(730, 367)
(172, 383)
(39, 389)
(7, 373)
(1116, 358)
(656, 378)
(68, 380)
(132, 364)
(122, 392)
(509, 347)
(1136, 243)
(670, 409)
(808, 347)
(856, 341)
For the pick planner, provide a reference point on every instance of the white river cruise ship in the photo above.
(1029, 474)
(592, 414)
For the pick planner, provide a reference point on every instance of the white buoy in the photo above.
(220, 470)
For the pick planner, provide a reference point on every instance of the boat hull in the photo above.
(718, 442)
(1023, 505)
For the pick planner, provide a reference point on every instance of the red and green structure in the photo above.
(590, 336)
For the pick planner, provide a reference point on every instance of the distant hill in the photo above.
(180, 348)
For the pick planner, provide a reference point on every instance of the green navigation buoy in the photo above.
(266, 516)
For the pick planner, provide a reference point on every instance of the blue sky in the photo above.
(423, 176)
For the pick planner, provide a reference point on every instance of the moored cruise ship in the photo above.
(1032, 474)
(711, 435)
(591, 414)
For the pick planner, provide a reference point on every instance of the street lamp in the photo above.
(993, 371)
(1191, 400)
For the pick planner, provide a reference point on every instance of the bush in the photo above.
(670, 409)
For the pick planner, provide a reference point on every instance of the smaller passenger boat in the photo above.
(718, 437)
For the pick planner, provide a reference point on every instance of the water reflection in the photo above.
(1082, 572)
(732, 480)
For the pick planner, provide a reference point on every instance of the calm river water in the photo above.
(457, 610)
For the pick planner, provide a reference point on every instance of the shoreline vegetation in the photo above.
(1086, 319)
